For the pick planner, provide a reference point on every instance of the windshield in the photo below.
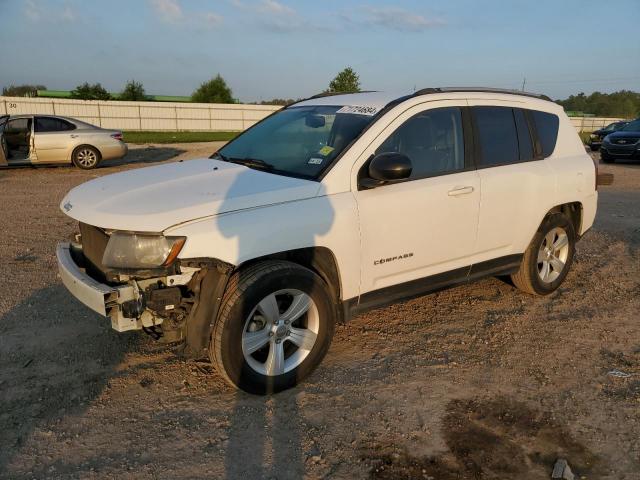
(297, 141)
(632, 126)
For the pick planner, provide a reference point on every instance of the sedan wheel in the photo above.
(86, 158)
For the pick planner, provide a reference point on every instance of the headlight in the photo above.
(136, 250)
(593, 135)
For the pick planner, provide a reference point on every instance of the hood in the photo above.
(155, 198)
(624, 134)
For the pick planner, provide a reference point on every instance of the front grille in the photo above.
(624, 141)
(620, 151)
(94, 243)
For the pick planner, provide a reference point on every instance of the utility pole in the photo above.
(524, 82)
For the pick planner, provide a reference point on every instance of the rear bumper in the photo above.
(114, 150)
(103, 299)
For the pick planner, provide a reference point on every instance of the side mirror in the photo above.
(314, 121)
(386, 168)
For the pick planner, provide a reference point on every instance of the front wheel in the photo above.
(86, 157)
(275, 326)
(606, 158)
(548, 258)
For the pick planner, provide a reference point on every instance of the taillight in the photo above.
(117, 136)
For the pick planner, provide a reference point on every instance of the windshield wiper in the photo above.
(250, 162)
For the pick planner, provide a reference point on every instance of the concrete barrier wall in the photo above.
(156, 116)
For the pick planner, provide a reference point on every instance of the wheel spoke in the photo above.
(254, 341)
(560, 242)
(542, 256)
(556, 263)
(544, 272)
(550, 237)
(299, 307)
(269, 308)
(275, 361)
(303, 338)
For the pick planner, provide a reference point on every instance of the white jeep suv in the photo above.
(328, 207)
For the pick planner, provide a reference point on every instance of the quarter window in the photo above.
(547, 129)
(50, 124)
(433, 140)
(497, 136)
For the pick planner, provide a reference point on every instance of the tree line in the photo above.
(624, 103)
(214, 90)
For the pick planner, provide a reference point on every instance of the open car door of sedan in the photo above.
(4, 152)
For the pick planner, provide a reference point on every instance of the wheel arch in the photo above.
(573, 211)
(81, 145)
(320, 260)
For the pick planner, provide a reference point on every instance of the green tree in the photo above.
(215, 90)
(346, 81)
(624, 104)
(133, 92)
(22, 90)
(90, 92)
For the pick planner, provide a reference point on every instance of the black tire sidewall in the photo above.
(234, 364)
(557, 220)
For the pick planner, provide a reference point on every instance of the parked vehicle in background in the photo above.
(49, 139)
(327, 208)
(595, 138)
(625, 143)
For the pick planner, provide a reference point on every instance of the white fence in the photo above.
(146, 116)
(169, 116)
(590, 124)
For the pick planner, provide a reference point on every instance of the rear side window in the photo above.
(547, 129)
(50, 124)
(497, 136)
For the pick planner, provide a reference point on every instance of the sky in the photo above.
(268, 49)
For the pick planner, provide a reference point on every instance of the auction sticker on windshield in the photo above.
(359, 110)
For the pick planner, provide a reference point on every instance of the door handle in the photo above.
(74, 136)
(460, 191)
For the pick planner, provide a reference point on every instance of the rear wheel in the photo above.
(86, 157)
(548, 258)
(275, 326)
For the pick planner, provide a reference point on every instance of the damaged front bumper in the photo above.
(125, 304)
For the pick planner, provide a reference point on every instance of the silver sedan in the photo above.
(49, 139)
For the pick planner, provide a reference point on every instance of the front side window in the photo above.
(497, 134)
(433, 140)
(298, 141)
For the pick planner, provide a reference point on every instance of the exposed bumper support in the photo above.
(103, 299)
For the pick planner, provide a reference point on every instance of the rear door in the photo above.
(513, 177)
(53, 139)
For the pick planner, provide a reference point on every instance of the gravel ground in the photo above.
(478, 381)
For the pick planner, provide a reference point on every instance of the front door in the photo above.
(4, 152)
(427, 224)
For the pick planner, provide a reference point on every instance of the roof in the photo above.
(381, 99)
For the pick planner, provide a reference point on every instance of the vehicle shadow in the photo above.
(57, 356)
(144, 155)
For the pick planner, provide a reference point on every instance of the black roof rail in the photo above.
(332, 94)
(426, 91)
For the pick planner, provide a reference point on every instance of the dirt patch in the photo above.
(490, 439)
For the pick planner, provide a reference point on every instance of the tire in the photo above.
(537, 275)
(86, 157)
(246, 342)
(594, 148)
